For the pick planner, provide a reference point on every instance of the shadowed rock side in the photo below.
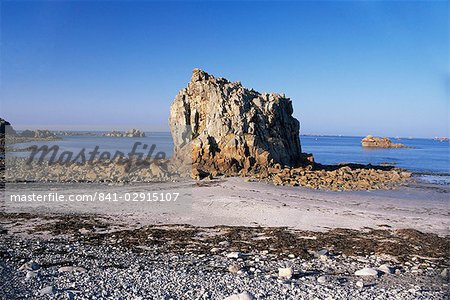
(6, 128)
(229, 129)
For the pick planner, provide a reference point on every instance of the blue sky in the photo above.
(353, 68)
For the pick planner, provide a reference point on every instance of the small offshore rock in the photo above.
(241, 296)
(285, 273)
(366, 272)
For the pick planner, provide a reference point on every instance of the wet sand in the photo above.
(237, 202)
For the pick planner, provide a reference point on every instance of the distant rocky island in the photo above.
(376, 142)
(442, 139)
(10, 136)
(130, 133)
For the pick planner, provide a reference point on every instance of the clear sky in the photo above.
(353, 68)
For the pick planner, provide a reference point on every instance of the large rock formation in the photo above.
(226, 128)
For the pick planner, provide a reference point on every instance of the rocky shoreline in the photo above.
(336, 178)
(81, 257)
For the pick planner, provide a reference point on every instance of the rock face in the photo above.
(226, 128)
(5, 127)
(375, 142)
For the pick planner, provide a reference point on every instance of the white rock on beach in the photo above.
(241, 296)
(366, 272)
(235, 255)
(71, 269)
(47, 290)
(386, 269)
(30, 275)
(321, 279)
(30, 266)
(285, 273)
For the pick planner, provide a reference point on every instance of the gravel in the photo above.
(71, 268)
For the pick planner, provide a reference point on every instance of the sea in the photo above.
(428, 159)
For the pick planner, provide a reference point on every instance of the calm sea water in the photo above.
(428, 158)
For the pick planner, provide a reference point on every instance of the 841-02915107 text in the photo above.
(142, 196)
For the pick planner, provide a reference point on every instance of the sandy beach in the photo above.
(226, 237)
(238, 202)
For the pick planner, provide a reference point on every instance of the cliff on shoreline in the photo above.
(225, 128)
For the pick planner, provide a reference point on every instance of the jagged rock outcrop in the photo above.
(226, 128)
(375, 142)
(6, 128)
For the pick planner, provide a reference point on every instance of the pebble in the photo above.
(366, 272)
(47, 290)
(360, 284)
(30, 266)
(322, 252)
(386, 269)
(321, 279)
(241, 296)
(30, 275)
(71, 269)
(285, 273)
(444, 273)
(323, 258)
(235, 255)
(233, 268)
